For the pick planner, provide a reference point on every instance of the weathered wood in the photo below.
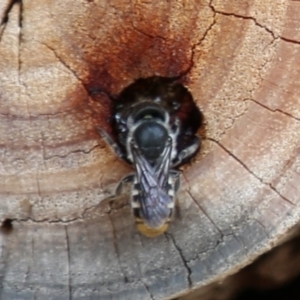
(271, 272)
(60, 61)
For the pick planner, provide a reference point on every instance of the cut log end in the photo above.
(61, 65)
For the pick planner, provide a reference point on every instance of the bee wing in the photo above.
(162, 168)
(153, 198)
(145, 172)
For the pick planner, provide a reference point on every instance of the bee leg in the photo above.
(125, 180)
(177, 212)
(188, 152)
(176, 127)
(108, 139)
(176, 179)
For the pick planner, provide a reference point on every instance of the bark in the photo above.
(60, 64)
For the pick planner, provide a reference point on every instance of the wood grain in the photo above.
(61, 63)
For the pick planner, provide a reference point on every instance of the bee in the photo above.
(155, 124)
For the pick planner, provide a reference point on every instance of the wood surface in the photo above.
(274, 275)
(61, 62)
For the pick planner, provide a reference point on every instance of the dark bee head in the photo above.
(148, 125)
(151, 137)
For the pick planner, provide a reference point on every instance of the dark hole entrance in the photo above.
(165, 99)
(6, 226)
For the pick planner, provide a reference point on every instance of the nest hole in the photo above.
(6, 226)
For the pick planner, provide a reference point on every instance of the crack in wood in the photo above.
(88, 151)
(4, 262)
(141, 275)
(116, 247)
(201, 208)
(288, 40)
(60, 114)
(43, 150)
(185, 263)
(272, 110)
(20, 36)
(19, 56)
(211, 5)
(68, 262)
(250, 171)
(147, 289)
(147, 34)
(57, 221)
(220, 240)
(38, 183)
(256, 23)
(117, 251)
(28, 272)
(213, 248)
(5, 18)
(193, 49)
(72, 220)
(67, 66)
(263, 227)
